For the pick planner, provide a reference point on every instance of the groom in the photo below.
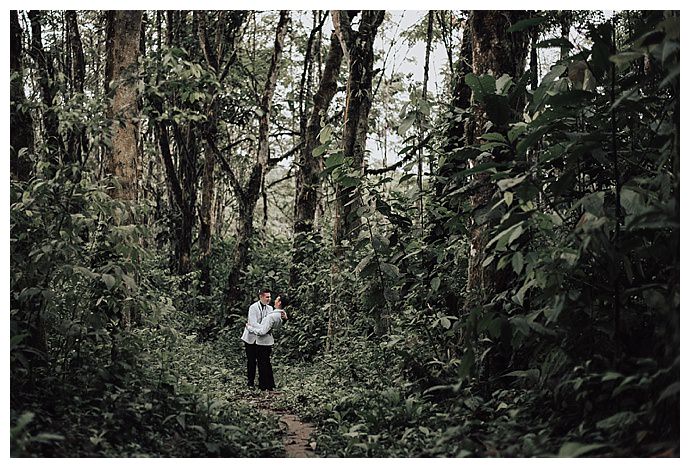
(258, 348)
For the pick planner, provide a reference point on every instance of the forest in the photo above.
(472, 218)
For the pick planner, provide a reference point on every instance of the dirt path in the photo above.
(296, 440)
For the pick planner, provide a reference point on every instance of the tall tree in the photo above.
(309, 167)
(45, 71)
(76, 138)
(496, 52)
(215, 51)
(21, 123)
(122, 45)
(248, 194)
(421, 122)
(358, 49)
(178, 137)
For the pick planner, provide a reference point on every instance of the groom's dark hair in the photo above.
(263, 291)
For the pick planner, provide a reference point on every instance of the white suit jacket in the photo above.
(257, 312)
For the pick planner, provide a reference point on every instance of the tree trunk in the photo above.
(21, 123)
(358, 48)
(494, 52)
(214, 55)
(565, 21)
(122, 45)
(533, 60)
(249, 195)
(205, 221)
(422, 123)
(307, 181)
(54, 146)
(182, 187)
(76, 139)
(78, 69)
(186, 142)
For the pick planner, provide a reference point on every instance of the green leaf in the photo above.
(348, 181)
(508, 198)
(406, 123)
(518, 262)
(481, 86)
(505, 233)
(670, 48)
(85, 271)
(379, 243)
(631, 201)
(516, 131)
(435, 283)
(494, 136)
(611, 376)
(527, 23)
(576, 449)
(503, 84)
(467, 363)
(319, 150)
(483, 167)
(445, 323)
(47, 437)
(505, 184)
(325, 134)
(556, 42)
(514, 235)
(618, 420)
(424, 107)
(530, 374)
(109, 280)
(670, 391)
(336, 159)
(22, 422)
(497, 109)
(390, 270)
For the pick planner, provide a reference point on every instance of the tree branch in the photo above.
(206, 48)
(288, 176)
(410, 154)
(234, 182)
(164, 145)
(274, 161)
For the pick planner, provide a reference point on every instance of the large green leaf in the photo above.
(406, 123)
(527, 23)
(481, 86)
(109, 280)
(497, 109)
(576, 449)
(530, 374)
(618, 420)
(390, 270)
(556, 42)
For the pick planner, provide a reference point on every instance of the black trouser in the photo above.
(250, 349)
(263, 358)
(261, 355)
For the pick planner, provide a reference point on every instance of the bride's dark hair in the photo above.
(284, 300)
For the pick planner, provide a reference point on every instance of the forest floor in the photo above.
(186, 398)
(288, 434)
(298, 434)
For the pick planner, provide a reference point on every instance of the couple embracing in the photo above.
(258, 339)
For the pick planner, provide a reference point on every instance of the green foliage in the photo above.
(582, 233)
(571, 350)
